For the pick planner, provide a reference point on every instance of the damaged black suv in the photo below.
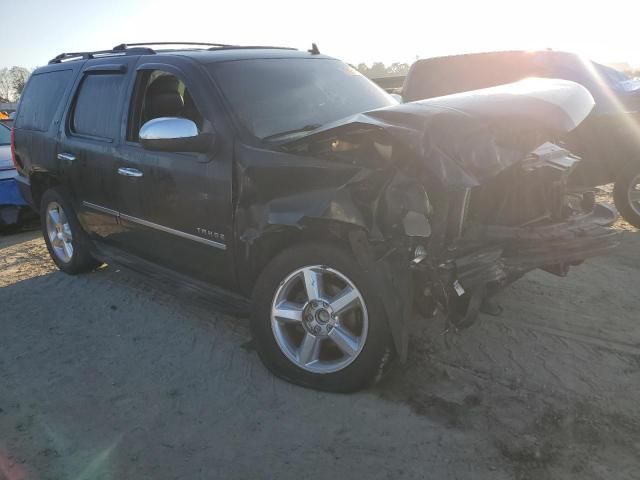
(288, 178)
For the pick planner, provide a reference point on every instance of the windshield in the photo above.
(5, 135)
(276, 98)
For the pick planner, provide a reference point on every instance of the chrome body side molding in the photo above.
(155, 226)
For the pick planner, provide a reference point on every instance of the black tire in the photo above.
(377, 349)
(621, 197)
(81, 260)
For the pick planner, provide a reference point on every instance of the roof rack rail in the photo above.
(253, 47)
(145, 44)
(118, 50)
(212, 46)
(143, 49)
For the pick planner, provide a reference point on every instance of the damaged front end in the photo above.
(524, 218)
(443, 202)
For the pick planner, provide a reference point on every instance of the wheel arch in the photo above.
(253, 256)
(391, 276)
(40, 183)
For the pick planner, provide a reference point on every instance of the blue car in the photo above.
(11, 201)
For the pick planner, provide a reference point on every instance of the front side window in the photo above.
(160, 94)
(276, 98)
(95, 113)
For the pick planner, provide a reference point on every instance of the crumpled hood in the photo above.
(467, 138)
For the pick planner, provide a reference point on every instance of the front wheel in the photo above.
(626, 194)
(317, 321)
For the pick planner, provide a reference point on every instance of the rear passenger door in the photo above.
(88, 143)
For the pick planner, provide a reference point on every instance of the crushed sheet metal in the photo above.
(467, 138)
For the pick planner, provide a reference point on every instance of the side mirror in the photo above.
(173, 134)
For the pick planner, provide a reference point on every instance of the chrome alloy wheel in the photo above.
(319, 319)
(59, 232)
(633, 194)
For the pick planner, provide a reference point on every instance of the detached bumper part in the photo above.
(518, 250)
(561, 244)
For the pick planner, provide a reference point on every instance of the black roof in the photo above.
(201, 52)
(219, 55)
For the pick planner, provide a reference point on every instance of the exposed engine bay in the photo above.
(524, 218)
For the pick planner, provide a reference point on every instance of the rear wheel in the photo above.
(626, 194)
(66, 241)
(317, 321)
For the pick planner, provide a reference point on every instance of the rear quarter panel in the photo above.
(36, 149)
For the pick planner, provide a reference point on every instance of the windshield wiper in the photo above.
(306, 128)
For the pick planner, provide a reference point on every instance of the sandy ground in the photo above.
(106, 376)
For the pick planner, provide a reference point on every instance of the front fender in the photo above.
(284, 199)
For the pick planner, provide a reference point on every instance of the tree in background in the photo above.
(379, 70)
(18, 77)
(5, 86)
(12, 83)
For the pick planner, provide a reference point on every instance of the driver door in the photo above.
(175, 207)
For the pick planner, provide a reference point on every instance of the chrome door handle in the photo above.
(67, 157)
(129, 172)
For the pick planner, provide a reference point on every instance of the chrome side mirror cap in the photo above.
(174, 134)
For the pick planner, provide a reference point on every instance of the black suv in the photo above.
(288, 178)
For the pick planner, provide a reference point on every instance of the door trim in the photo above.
(172, 231)
(98, 208)
(156, 226)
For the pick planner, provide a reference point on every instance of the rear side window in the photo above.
(41, 99)
(95, 113)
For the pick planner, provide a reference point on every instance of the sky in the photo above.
(35, 31)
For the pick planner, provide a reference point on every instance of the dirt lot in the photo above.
(106, 376)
